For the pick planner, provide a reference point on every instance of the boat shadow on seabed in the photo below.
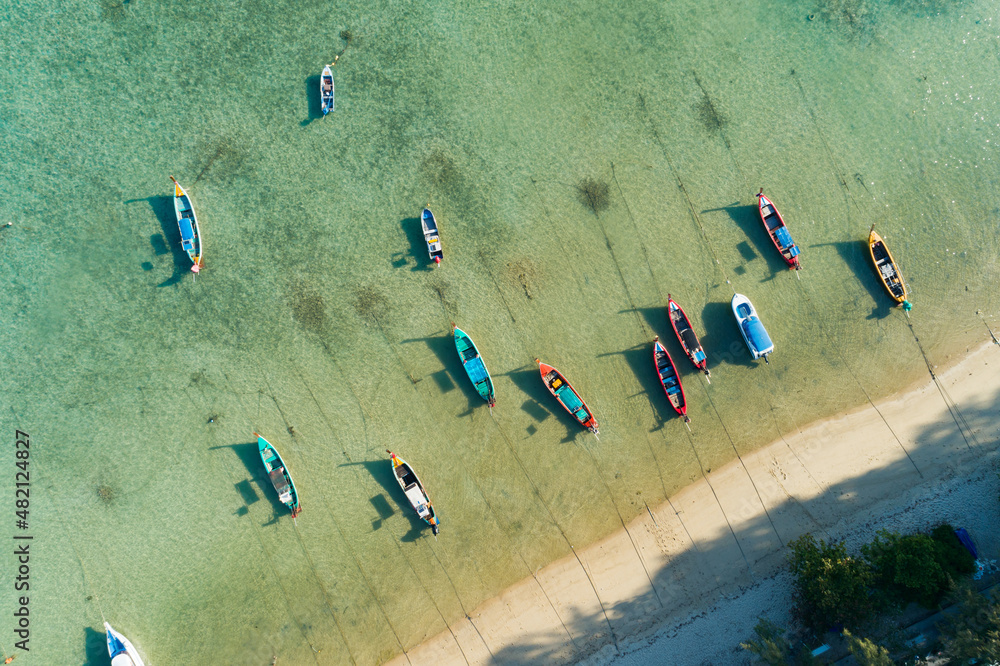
(95, 648)
(855, 254)
(251, 490)
(747, 218)
(418, 247)
(537, 406)
(314, 105)
(169, 240)
(381, 471)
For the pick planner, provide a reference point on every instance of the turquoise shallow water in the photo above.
(318, 322)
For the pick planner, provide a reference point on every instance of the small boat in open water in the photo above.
(670, 379)
(188, 223)
(122, 652)
(326, 90)
(280, 477)
(776, 229)
(414, 491)
(431, 236)
(567, 396)
(474, 366)
(754, 334)
(687, 337)
(887, 269)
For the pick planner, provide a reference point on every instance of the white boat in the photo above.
(326, 90)
(414, 491)
(431, 235)
(122, 652)
(754, 334)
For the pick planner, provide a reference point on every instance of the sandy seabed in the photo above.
(686, 583)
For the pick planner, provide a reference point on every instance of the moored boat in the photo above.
(670, 379)
(280, 477)
(567, 396)
(326, 90)
(474, 366)
(778, 231)
(431, 236)
(414, 491)
(188, 224)
(754, 334)
(122, 652)
(887, 269)
(687, 337)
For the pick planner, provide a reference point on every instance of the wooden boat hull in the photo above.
(775, 227)
(670, 379)
(122, 652)
(687, 337)
(567, 396)
(414, 491)
(279, 475)
(431, 236)
(326, 90)
(474, 365)
(187, 222)
(754, 334)
(886, 267)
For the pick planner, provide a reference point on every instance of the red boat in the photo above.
(669, 378)
(687, 337)
(567, 396)
(776, 229)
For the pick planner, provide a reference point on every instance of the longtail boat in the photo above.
(567, 396)
(474, 366)
(431, 236)
(776, 229)
(280, 477)
(326, 90)
(122, 652)
(754, 334)
(188, 224)
(687, 337)
(887, 269)
(670, 379)
(414, 491)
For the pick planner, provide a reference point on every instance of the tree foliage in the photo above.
(773, 649)
(866, 652)
(974, 632)
(917, 568)
(831, 587)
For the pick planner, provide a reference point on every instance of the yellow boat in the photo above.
(887, 269)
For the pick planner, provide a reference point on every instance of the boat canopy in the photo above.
(477, 370)
(784, 238)
(122, 659)
(187, 231)
(415, 494)
(280, 482)
(569, 398)
(756, 335)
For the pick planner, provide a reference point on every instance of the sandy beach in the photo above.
(690, 578)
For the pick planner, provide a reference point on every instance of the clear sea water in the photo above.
(318, 321)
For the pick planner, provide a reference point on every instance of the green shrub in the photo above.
(917, 568)
(831, 587)
(973, 634)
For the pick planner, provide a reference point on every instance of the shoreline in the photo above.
(719, 542)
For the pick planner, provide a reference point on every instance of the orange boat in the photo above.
(567, 396)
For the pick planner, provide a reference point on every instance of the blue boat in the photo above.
(754, 334)
(431, 237)
(187, 222)
(122, 652)
(326, 89)
(279, 475)
(474, 365)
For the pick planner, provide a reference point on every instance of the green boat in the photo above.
(281, 479)
(474, 366)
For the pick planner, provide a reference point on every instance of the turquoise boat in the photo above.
(474, 366)
(280, 477)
